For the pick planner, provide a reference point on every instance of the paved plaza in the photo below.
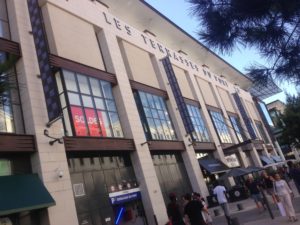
(251, 216)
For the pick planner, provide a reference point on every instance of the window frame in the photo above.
(145, 119)
(262, 133)
(203, 125)
(68, 105)
(239, 134)
(229, 141)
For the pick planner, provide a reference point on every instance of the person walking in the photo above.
(254, 189)
(192, 211)
(173, 211)
(285, 194)
(205, 213)
(267, 184)
(220, 192)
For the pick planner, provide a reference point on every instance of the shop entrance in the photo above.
(105, 190)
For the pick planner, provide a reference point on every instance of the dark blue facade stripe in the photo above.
(48, 80)
(244, 115)
(183, 110)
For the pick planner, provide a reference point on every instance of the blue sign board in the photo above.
(126, 197)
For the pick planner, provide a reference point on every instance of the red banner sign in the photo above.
(92, 122)
(78, 121)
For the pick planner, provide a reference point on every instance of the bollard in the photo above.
(240, 206)
(235, 221)
(217, 212)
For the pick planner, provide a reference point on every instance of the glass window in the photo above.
(5, 167)
(106, 87)
(87, 101)
(83, 84)
(95, 87)
(237, 128)
(221, 127)
(262, 132)
(201, 133)
(93, 113)
(70, 81)
(156, 116)
(99, 102)
(4, 27)
(74, 99)
(6, 115)
(266, 113)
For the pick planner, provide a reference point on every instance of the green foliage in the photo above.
(290, 122)
(271, 26)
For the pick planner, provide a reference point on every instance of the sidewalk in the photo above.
(277, 221)
(248, 204)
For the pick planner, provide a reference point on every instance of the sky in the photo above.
(179, 13)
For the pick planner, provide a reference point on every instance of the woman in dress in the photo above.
(285, 194)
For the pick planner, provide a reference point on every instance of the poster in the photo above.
(79, 121)
(91, 119)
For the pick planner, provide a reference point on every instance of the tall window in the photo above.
(221, 127)
(200, 133)
(4, 27)
(237, 128)
(262, 132)
(6, 115)
(155, 116)
(91, 105)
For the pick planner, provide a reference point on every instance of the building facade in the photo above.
(114, 107)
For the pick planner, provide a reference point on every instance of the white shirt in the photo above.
(281, 188)
(219, 191)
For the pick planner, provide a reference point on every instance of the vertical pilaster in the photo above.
(142, 162)
(49, 159)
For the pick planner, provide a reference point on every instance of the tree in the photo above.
(270, 26)
(289, 122)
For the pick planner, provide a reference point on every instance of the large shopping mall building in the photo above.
(110, 107)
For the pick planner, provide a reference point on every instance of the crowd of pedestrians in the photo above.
(194, 211)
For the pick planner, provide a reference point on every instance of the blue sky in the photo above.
(178, 11)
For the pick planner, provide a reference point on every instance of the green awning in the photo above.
(23, 193)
